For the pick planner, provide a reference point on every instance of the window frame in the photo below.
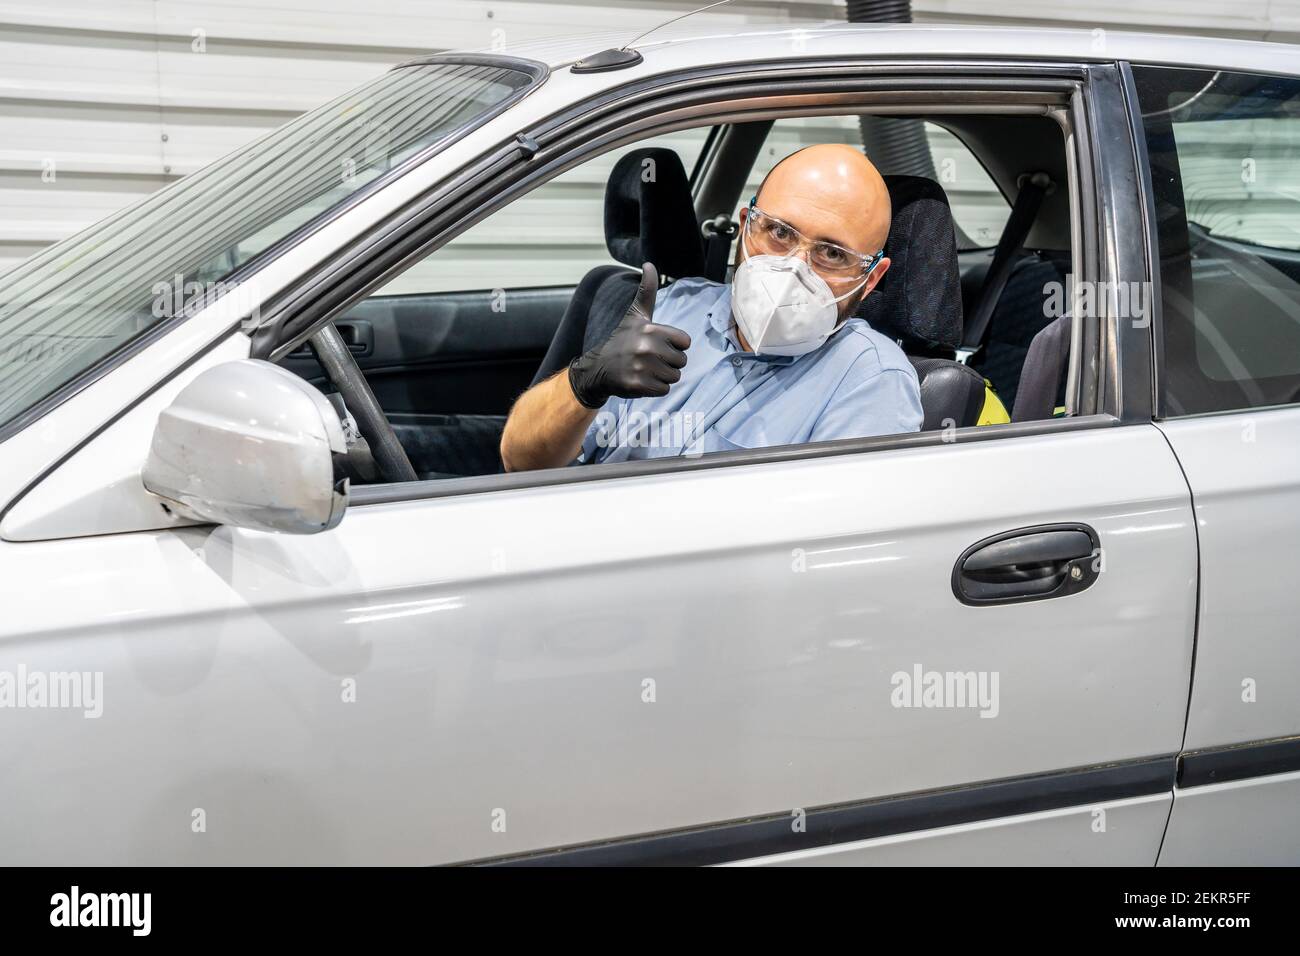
(712, 96)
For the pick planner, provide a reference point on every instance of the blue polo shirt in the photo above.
(856, 385)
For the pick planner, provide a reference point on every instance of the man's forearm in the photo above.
(546, 426)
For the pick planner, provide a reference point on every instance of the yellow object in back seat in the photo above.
(993, 412)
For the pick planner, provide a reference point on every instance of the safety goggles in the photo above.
(768, 236)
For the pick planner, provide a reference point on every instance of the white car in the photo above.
(245, 622)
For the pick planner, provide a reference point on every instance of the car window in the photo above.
(79, 300)
(978, 207)
(1224, 151)
(550, 237)
(451, 341)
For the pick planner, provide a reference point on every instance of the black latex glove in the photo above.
(638, 359)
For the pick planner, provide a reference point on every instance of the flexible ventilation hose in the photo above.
(896, 146)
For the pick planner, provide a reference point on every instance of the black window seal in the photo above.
(1149, 227)
(1124, 347)
(1013, 74)
(1088, 389)
(535, 70)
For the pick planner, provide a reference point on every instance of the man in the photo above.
(773, 358)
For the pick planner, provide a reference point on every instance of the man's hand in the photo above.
(639, 358)
(547, 424)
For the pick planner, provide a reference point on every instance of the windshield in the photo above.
(73, 304)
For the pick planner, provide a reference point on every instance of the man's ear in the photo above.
(873, 280)
(740, 231)
(877, 274)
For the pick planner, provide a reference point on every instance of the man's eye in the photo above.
(834, 256)
(781, 232)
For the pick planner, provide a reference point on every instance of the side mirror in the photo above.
(251, 445)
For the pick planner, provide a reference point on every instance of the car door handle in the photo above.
(1029, 564)
(357, 334)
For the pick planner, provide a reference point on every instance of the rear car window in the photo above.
(1224, 151)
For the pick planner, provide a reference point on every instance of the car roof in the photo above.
(684, 44)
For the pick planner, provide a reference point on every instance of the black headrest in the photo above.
(918, 302)
(649, 214)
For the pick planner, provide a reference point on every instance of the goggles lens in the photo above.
(770, 236)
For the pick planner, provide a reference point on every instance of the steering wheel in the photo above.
(342, 370)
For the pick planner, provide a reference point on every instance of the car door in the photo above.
(750, 657)
(1223, 150)
(489, 675)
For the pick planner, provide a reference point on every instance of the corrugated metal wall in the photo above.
(103, 102)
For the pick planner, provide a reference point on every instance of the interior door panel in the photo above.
(451, 352)
(446, 367)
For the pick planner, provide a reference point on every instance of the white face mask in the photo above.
(782, 306)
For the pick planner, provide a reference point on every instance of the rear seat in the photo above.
(1009, 308)
(1019, 316)
(1045, 372)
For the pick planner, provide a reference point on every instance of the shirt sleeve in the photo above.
(886, 402)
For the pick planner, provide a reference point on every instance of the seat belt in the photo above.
(718, 234)
(1023, 213)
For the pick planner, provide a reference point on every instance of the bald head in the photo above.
(831, 192)
(835, 185)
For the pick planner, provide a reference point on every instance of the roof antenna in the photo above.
(622, 58)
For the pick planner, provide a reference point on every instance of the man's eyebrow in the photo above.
(830, 239)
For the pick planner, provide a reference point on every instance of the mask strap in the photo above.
(875, 261)
(841, 298)
(744, 236)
